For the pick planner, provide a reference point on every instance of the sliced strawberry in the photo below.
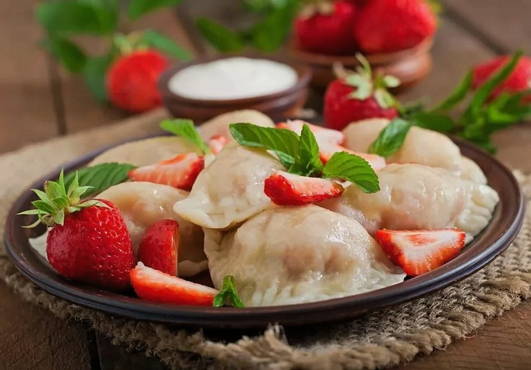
(322, 135)
(159, 246)
(156, 286)
(179, 171)
(216, 143)
(420, 251)
(376, 162)
(286, 189)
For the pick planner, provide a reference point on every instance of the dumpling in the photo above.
(421, 146)
(288, 255)
(219, 125)
(414, 196)
(147, 151)
(143, 203)
(230, 189)
(471, 171)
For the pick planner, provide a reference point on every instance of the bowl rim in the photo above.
(303, 72)
(466, 263)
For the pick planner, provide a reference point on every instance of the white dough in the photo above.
(288, 255)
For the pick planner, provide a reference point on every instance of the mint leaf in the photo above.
(71, 56)
(219, 36)
(457, 95)
(94, 73)
(165, 44)
(432, 121)
(228, 295)
(270, 33)
(352, 168)
(138, 8)
(99, 177)
(186, 129)
(284, 143)
(390, 138)
(308, 162)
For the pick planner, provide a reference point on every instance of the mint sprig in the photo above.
(186, 129)
(99, 177)
(391, 138)
(350, 167)
(228, 295)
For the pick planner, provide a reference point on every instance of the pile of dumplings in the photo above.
(285, 255)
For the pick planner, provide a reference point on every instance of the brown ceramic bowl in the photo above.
(410, 65)
(503, 228)
(278, 105)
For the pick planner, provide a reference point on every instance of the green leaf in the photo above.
(363, 86)
(352, 168)
(165, 44)
(94, 74)
(284, 143)
(186, 129)
(138, 8)
(309, 160)
(228, 295)
(432, 121)
(457, 95)
(271, 32)
(219, 36)
(100, 177)
(390, 138)
(71, 56)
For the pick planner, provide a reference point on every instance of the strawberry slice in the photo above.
(156, 286)
(216, 143)
(159, 246)
(376, 162)
(179, 171)
(322, 135)
(420, 251)
(287, 189)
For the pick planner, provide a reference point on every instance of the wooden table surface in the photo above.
(39, 101)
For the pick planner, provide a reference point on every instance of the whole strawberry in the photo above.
(357, 96)
(88, 241)
(327, 27)
(132, 80)
(519, 80)
(392, 25)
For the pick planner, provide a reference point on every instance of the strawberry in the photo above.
(159, 246)
(359, 95)
(286, 189)
(322, 135)
(376, 162)
(179, 171)
(519, 80)
(420, 251)
(390, 25)
(88, 241)
(327, 27)
(132, 80)
(216, 143)
(156, 286)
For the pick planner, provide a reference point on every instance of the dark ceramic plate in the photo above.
(503, 228)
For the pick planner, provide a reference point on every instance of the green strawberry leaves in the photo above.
(138, 8)
(186, 129)
(228, 295)
(71, 56)
(163, 43)
(220, 37)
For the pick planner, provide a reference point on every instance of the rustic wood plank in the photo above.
(504, 25)
(27, 113)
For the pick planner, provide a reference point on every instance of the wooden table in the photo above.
(39, 101)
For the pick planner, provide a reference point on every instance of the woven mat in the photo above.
(376, 340)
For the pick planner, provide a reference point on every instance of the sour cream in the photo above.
(232, 78)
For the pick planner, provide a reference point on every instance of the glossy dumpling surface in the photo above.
(143, 203)
(219, 125)
(288, 255)
(414, 196)
(230, 189)
(147, 151)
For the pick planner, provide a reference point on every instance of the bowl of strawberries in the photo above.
(394, 35)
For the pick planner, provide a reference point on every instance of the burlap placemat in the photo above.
(379, 339)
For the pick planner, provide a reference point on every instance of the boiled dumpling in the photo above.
(143, 203)
(219, 125)
(288, 255)
(421, 146)
(230, 189)
(147, 151)
(414, 196)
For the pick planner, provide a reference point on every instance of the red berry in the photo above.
(328, 33)
(159, 246)
(340, 108)
(93, 246)
(132, 80)
(392, 25)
